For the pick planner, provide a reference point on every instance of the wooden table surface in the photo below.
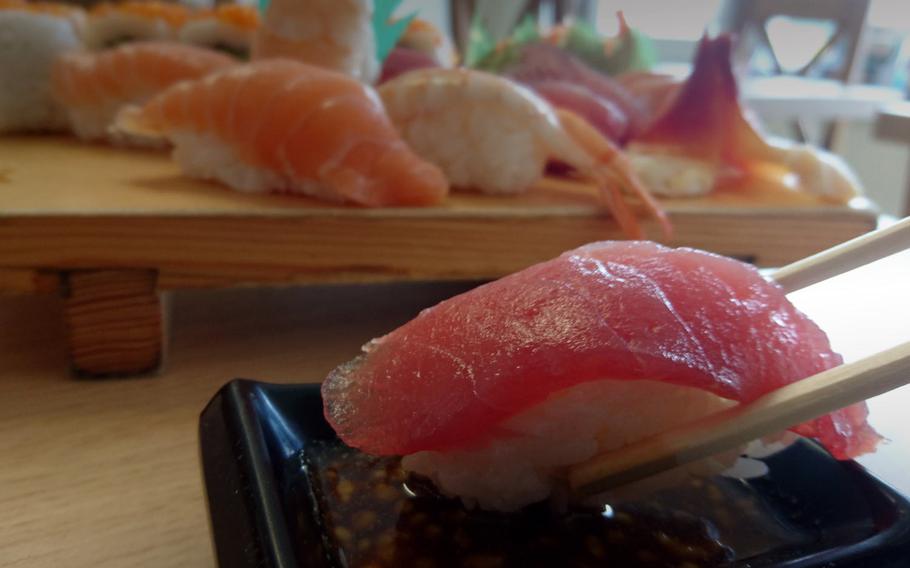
(106, 473)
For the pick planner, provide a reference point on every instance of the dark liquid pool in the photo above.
(372, 514)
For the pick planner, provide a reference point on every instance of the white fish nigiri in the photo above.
(333, 34)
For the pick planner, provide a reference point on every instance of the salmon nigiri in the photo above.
(94, 86)
(493, 392)
(282, 125)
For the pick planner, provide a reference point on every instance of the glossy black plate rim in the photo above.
(251, 470)
(243, 492)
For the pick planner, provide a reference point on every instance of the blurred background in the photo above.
(821, 71)
(794, 57)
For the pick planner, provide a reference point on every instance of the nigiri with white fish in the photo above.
(333, 34)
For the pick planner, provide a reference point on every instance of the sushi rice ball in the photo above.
(228, 28)
(32, 36)
(111, 24)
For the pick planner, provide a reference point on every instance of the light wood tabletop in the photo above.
(106, 473)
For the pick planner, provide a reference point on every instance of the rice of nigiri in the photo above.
(110, 24)
(569, 427)
(32, 36)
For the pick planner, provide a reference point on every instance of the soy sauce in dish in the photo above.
(372, 514)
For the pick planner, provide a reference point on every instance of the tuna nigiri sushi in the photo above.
(281, 125)
(95, 86)
(32, 36)
(492, 393)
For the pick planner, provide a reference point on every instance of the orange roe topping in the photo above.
(49, 8)
(418, 26)
(173, 14)
(245, 17)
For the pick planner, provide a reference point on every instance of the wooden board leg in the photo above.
(114, 322)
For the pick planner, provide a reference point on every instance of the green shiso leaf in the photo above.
(480, 42)
(631, 50)
(497, 57)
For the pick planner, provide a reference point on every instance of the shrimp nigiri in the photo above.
(93, 87)
(283, 125)
(334, 34)
(493, 135)
(494, 392)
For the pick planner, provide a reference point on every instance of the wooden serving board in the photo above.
(118, 226)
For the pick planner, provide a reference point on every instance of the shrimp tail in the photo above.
(614, 174)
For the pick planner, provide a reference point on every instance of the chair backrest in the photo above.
(748, 19)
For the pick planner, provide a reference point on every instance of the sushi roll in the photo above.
(32, 36)
(228, 28)
(94, 86)
(493, 393)
(282, 125)
(334, 34)
(110, 24)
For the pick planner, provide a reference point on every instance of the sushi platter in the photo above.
(342, 159)
(105, 226)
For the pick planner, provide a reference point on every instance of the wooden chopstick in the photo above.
(845, 257)
(776, 411)
(785, 407)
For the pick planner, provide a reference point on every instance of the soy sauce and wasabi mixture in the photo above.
(372, 514)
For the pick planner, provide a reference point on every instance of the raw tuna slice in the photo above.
(610, 310)
(543, 62)
(401, 60)
(601, 113)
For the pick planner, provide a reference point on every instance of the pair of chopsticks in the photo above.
(778, 410)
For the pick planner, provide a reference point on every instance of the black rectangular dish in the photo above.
(270, 465)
